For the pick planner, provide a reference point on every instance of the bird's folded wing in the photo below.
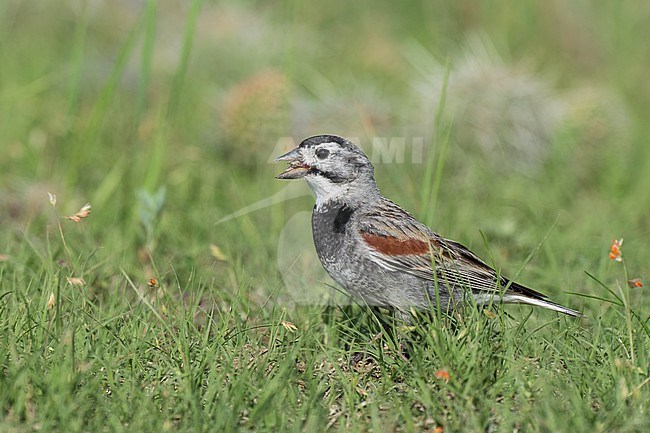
(398, 242)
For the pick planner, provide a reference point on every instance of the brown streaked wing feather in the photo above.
(486, 275)
(399, 242)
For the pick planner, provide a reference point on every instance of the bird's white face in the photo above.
(334, 168)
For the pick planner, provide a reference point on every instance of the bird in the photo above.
(379, 252)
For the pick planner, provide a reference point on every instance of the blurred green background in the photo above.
(164, 116)
(544, 114)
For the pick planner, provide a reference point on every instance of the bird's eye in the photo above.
(322, 153)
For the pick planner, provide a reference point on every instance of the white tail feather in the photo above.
(521, 299)
(516, 298)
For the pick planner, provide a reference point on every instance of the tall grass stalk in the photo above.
(146, 56)
(186, 50)
(436, 158)
(77, 64)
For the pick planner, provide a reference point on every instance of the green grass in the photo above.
(163, 117)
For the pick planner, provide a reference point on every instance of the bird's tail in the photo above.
(516, 298)
(520, 294)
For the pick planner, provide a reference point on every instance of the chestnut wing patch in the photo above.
(396, 252)
(393, 246)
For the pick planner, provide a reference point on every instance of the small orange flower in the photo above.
(615, 250)
(635, 283)
(442, 374)
(83, 213)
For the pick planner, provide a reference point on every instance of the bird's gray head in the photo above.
(334, 168)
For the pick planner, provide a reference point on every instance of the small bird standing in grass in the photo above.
(379, 252)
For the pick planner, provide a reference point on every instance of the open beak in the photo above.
(297, 169)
